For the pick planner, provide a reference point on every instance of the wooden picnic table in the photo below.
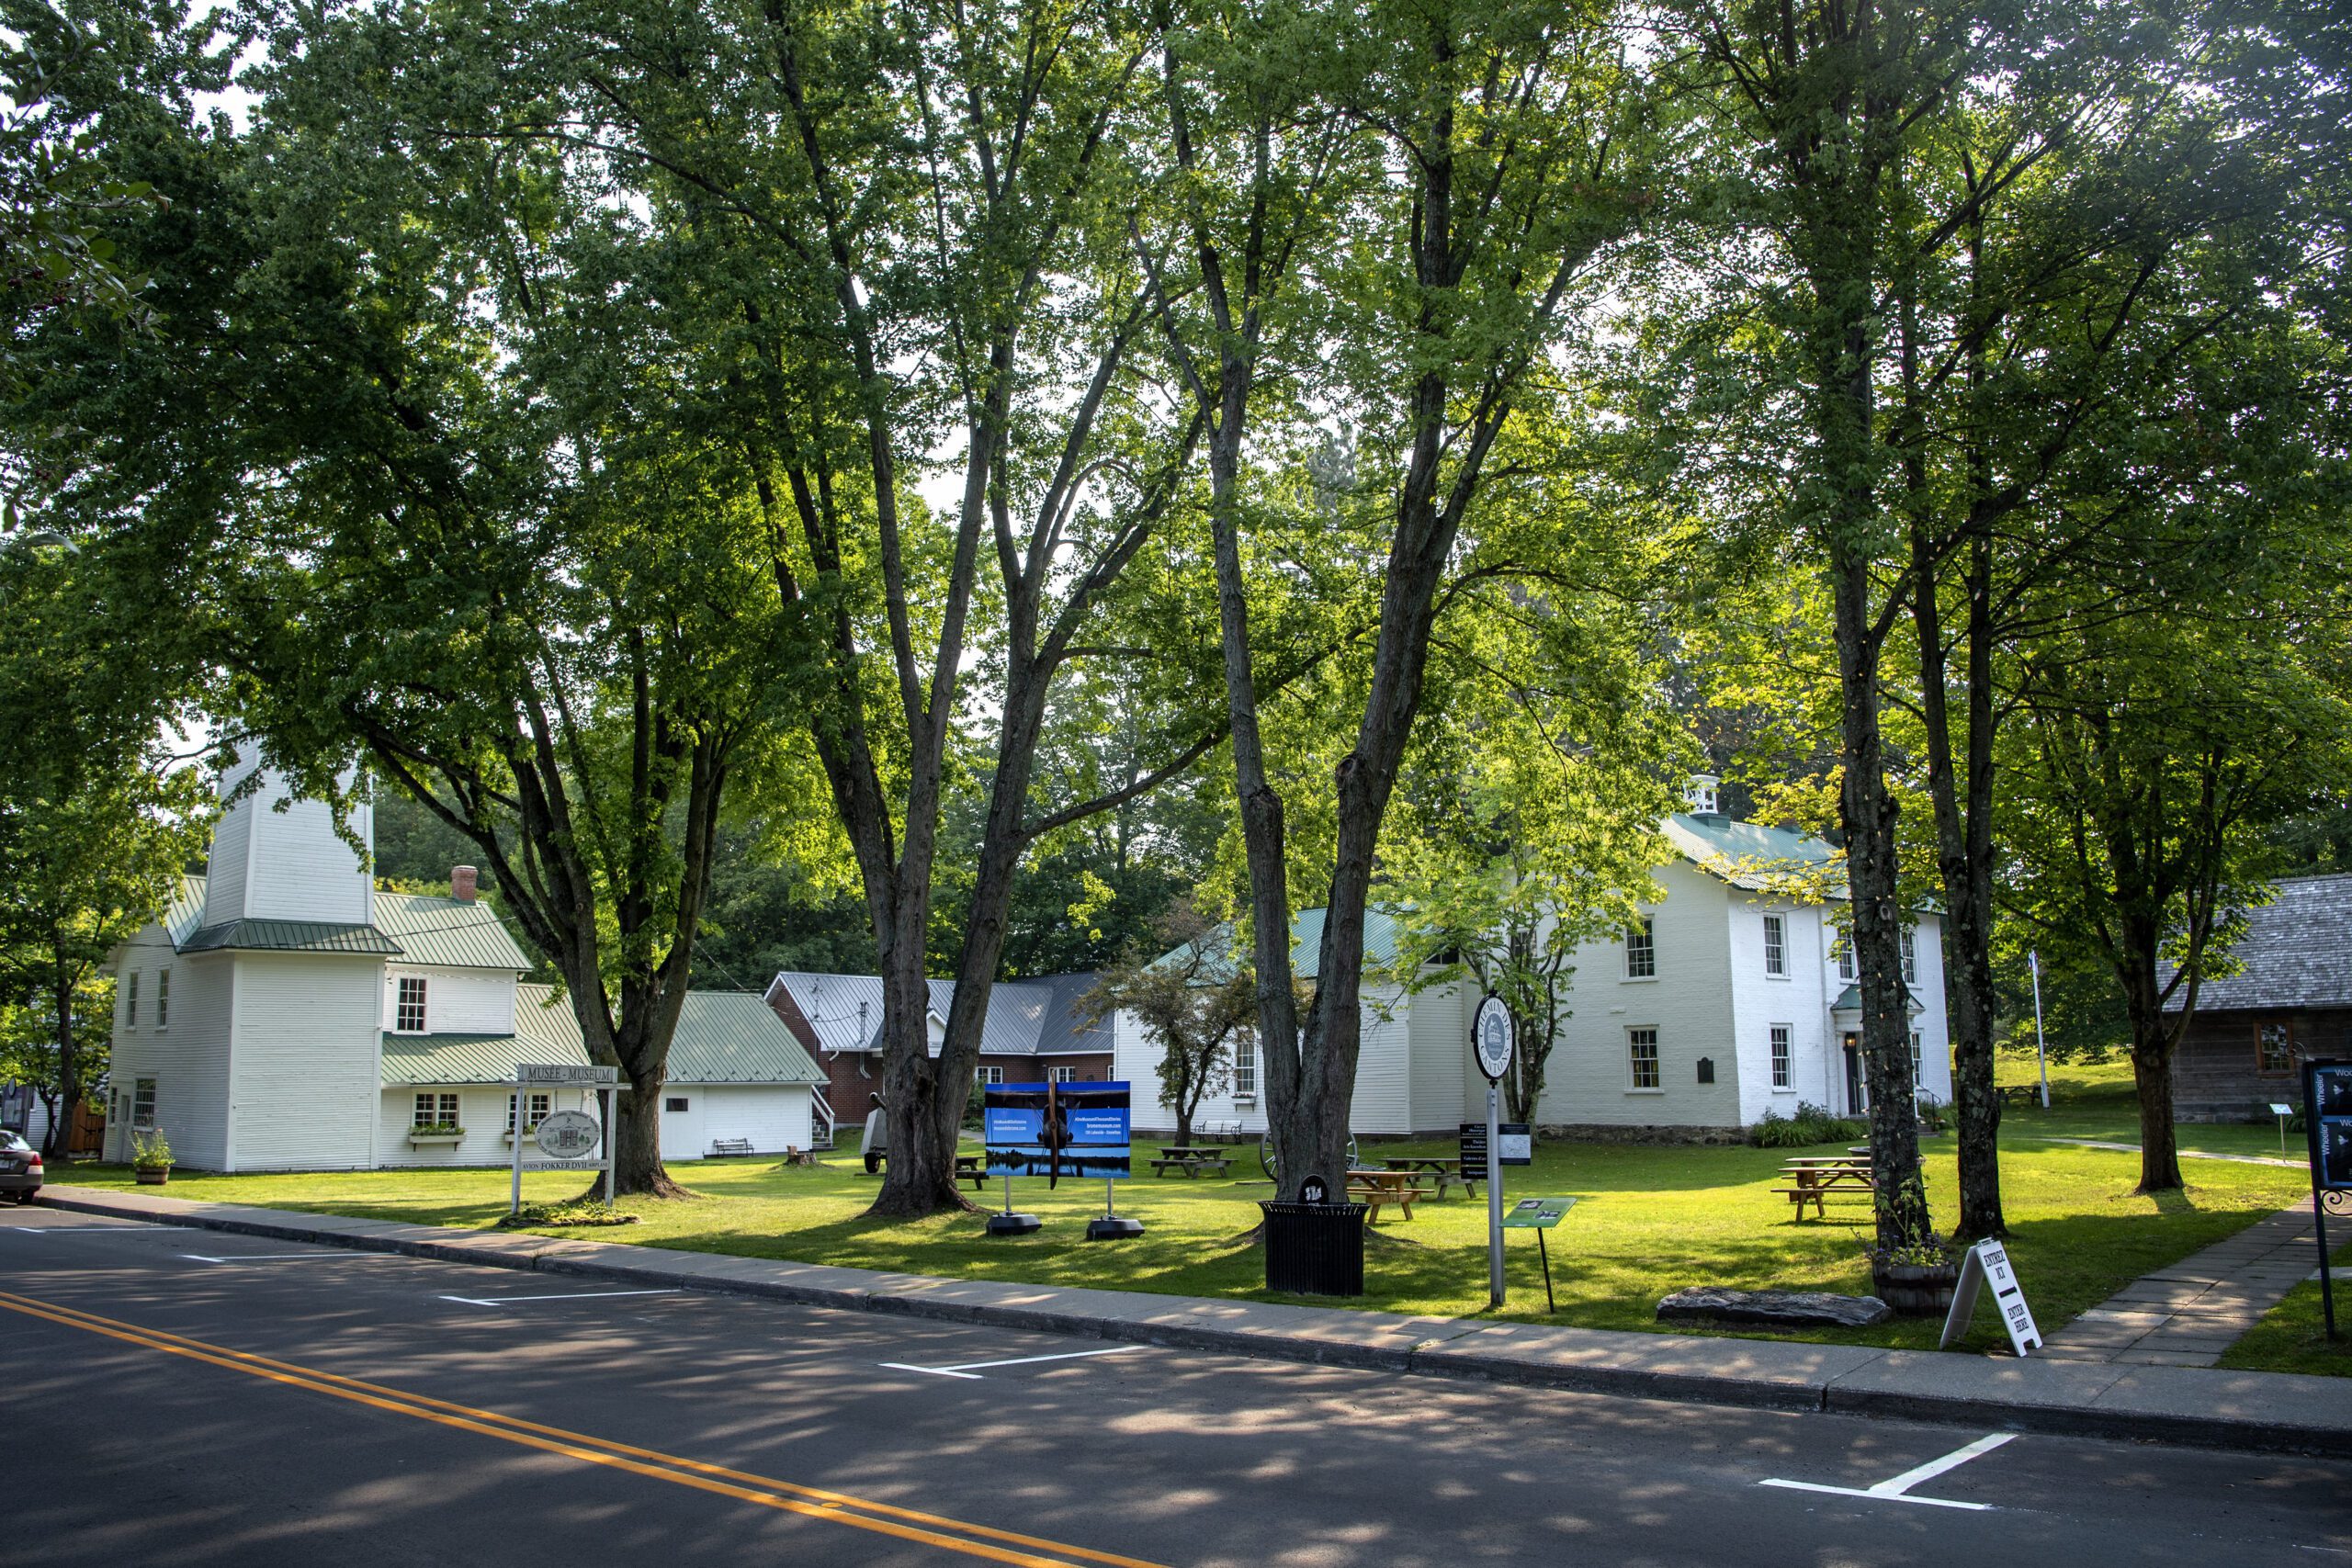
(1374, 1187)
(1192, 1159)
(1446, 1168)
(1816, 1178)
(972, 1168)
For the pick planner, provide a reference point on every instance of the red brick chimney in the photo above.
(462, 880)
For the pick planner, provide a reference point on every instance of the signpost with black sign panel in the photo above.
(2327, 1124)
(566, 1140)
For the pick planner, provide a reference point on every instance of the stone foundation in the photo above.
(1618, 1133)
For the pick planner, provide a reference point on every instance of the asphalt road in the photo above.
(186, 1398)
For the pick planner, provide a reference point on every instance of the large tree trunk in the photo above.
(637, 1142)
(2159, 1151)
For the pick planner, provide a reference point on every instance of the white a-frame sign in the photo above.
(1987, 1263)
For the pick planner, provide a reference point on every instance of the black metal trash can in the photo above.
(1315, 1250)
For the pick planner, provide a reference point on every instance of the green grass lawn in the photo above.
(2094, 1099)
(2292, 1336)
(1649, 1220)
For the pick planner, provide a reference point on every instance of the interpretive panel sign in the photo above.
(1054, 1130)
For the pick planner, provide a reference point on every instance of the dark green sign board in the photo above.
(1537, 1214)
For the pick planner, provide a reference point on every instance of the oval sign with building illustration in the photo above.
(569, 1134)
(1492, 1038)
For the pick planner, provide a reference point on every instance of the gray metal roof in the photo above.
(1750, 855)
(1026, 1018)
(1307, 942)
(290, 936)
(724, 1037)
(2296, 953)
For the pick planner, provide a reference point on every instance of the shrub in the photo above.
(150, 1150)
(1812, 1124)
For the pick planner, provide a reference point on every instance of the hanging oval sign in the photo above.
(569, 1134)
(1493, 1038)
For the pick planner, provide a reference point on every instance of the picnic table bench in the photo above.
(1446, 1171)
(972, 1168)
(1192, 1159)
(1375, 1187)
(1816, 1178)
(730, 1146)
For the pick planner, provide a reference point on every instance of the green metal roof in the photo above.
(1750, 855)
(723, 1037)
(1307, 942)
(459, 934)
(1850, 1001)
(290, 936)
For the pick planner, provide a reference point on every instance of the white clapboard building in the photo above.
(1733, 997)
(284, 1014)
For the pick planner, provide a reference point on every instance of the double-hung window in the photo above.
(1776, 946)
(1783, 1054)
(434, 1110)
(1641, 1049)
(1910, 956)
(991, 1075)
(2275, 1047)
(541, 1102)
(163, 997)
(130, 1000)
(1641, 949)
(1065, 1074)
(408, 1012)
(1842, 950)
(142, 1103)
(1245, 1070)
(1914, 1059)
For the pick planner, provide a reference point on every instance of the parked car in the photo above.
(20, 1168)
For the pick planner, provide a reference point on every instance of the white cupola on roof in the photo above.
(1701, 793)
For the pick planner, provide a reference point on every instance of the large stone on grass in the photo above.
(1772, 1309)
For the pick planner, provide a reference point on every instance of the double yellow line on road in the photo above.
(812, 1502)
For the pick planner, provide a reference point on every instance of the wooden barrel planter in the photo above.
(1915, 1289)
(153, 1175)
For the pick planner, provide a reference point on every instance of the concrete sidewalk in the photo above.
(2186, 1313)
(2184, 1404)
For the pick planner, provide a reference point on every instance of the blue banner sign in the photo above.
(1054, 1130)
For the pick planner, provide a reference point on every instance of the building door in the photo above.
(1858, 1098)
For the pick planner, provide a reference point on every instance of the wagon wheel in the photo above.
(1272, 1166)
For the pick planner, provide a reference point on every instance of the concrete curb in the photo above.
(2192, 1406)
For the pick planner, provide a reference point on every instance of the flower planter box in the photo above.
(1915, 1289)
(436, 1140)
(153, 1175)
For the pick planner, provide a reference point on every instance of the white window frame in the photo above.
(433, 1107)
(1776, 947)
(1910, 955)
(402, 1009)
(1636, 1061)
(163, 997)
(1914, 1059)
(676, 1104)
(1063, 1074)
(142, 1104)
(986, 1075)
(130, 1000)
(1641, 956)
(542, 1104)
(1841, 953)
(1245, 1072)
(1781, 1039)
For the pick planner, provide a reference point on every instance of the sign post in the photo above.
(568, 1140)
(2327, 1127)
(2282, 1112)
(1492, 1042)
(1540, 1215)
(1988, 1263)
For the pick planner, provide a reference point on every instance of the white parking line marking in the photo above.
(89, 1230)
(265, 1257)
(1897, 1489)
(966, 1368)
(570, 1296)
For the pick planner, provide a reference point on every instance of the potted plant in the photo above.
(438, 1133)
(151, 1157)
(1916, 1276)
